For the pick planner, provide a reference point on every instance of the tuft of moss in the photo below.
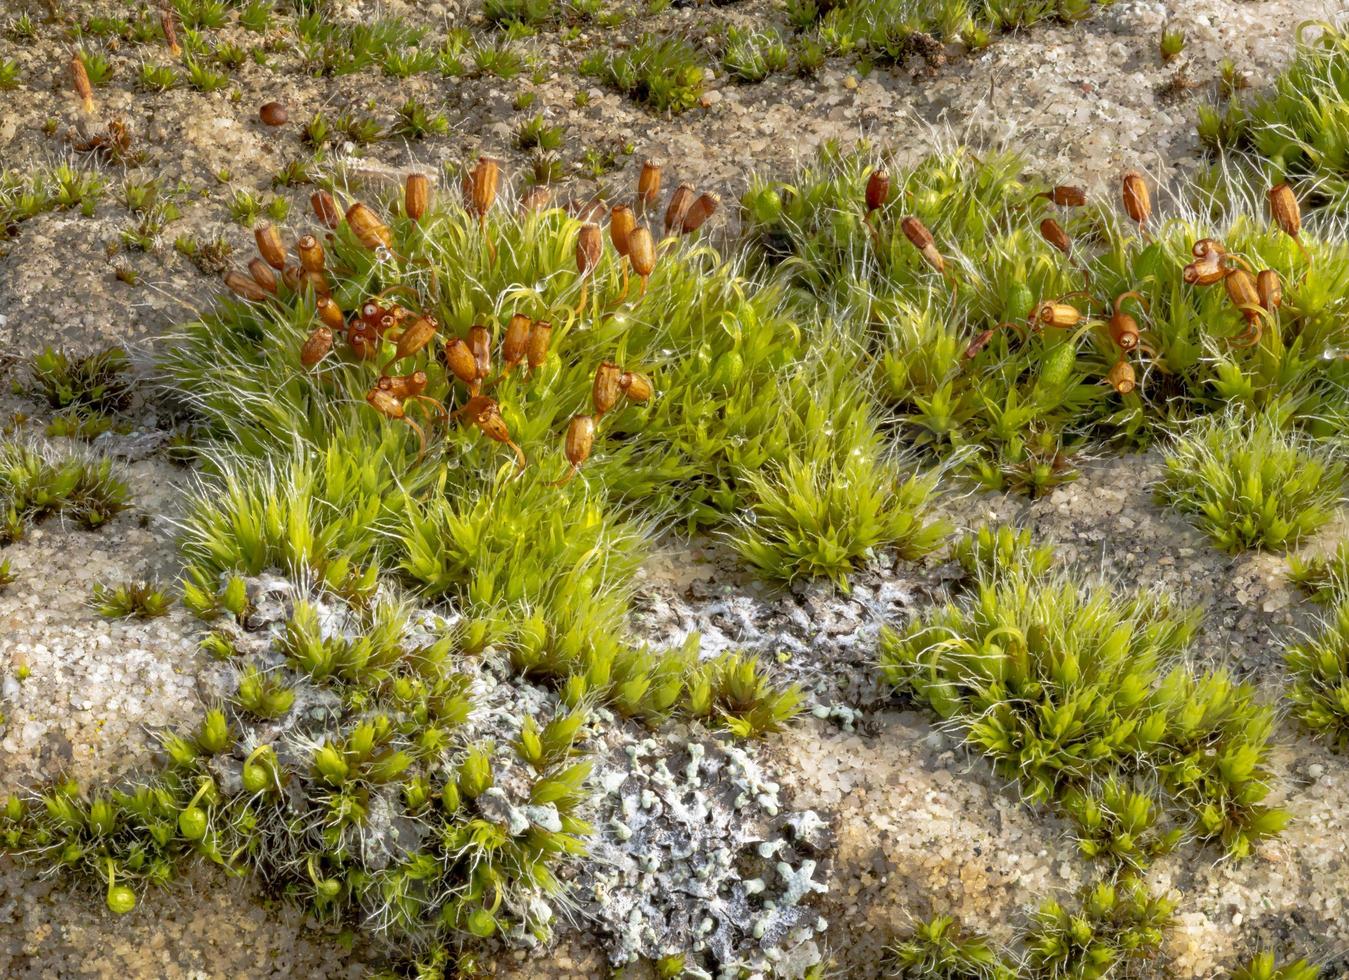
(131, 600)
(1251, 483)
(1064, 686)
(35, 485)
(98, 382)
(1319, 687)
(1264, 966)
(663, 73)
(940, 949)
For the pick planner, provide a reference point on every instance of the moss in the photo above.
(1062, 686)
(1250, 484)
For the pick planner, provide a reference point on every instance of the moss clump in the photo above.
(36, 485)
(1249, 483)
(663, 73)
(1063, 686)
(1319, 688)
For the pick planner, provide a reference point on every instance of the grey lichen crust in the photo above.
(694, 855)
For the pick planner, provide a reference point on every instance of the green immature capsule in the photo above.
(121, 899)
(192, 823)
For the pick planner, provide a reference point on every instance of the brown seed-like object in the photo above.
(1053, 233)
(648, 185)
(416, 196)
(1122, 377)
(637, 387)
(273, 114)
(316, 346)
(699, 211)
(621, 224)
(1137, 200)
(1067, 196)
(515, 344)
(580, 439)
(641, 251)
(311, 253)
(242, 285)
(1270, 288)
(589, 246)
(605, 390)
(540, 337)
(262, 274)
(461, 362)
(878, 189)
(82, 87)
(325, 209)
(680, 201)
(369, 230)
(330, 313)
(269, 245)
(482, 185)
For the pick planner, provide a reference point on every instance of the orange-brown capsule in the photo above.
(368, 229)
(540, 337)
(605, 390)
(1242, 292)
(1205, 271)
(83, 89)
(325, 209)
(636, 387)
(699, 211)
(1284, 208)
(680, 201)
(878, 189)
(415, 338)
(621, 224)
(648, 184)
(273, 114)
(262, 274)
(1061, 315)
(589, 246)
(311, 253)
(292, 276)
(1206, 248)
(483, 180)
(416, 196)
(330, 313)
(1137, 200)
(385, 402)
(168, 24)
(244, 286)
(916, 232)
(461, 362)
(364, 339)
(1270, 289)
(1122, 377)
(580, 439)
(269, 246)
(316, 346)
(480, 343)
(515, 344)
(486, 415)
(405, 386)
(1067, 196)
(1052, 232)
(1124, 330)
(641, 251)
